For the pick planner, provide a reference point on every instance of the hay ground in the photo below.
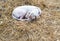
(46, 28)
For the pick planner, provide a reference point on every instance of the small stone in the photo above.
(1, 22)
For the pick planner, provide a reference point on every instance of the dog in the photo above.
(26, 13)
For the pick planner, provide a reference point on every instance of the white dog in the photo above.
(26, 13)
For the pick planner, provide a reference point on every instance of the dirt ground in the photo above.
(46, 28)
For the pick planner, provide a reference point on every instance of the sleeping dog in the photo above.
(26, 13)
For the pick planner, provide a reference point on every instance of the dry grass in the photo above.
(46, 28)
